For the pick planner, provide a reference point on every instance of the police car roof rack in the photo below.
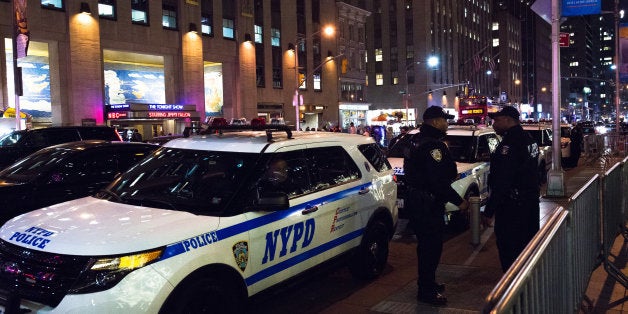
(269, 128)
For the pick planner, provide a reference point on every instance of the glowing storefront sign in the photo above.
(117, 115)
(161, 114)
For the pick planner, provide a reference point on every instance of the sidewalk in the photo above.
(470, 273)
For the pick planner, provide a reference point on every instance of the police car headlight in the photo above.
(105, 272)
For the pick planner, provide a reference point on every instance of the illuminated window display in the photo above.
(213, 89)
(133, 78)
(35, 100)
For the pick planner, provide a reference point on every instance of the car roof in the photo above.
(258, 141)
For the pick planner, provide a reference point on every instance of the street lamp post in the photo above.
(432, 62)
(329, 31)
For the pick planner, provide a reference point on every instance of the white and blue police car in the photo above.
(203, 223)
(470, 146)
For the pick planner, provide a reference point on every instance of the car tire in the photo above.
(370, 258)
(210, 292)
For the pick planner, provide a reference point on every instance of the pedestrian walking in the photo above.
(352, 128)
(402, 132)
(429, 171)
(513, 187)
(575, 148)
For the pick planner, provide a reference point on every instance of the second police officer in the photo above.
(429, 171)
(513, 186)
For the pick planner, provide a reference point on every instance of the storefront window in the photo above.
(35, 102)
(131, 77)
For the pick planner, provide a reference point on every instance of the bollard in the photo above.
(474, 210)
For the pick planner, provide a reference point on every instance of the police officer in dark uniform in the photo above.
(513, 186)
(429, 171)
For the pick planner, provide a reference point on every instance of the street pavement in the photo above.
(470, 272)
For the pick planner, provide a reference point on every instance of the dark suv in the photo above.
(19, 144)
(64, 172)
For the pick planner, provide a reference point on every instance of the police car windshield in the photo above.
(201, 182)
(461, 147)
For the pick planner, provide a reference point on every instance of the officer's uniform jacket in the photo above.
(513, 181)
(429, 166)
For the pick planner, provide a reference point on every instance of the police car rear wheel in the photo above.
(371, 256)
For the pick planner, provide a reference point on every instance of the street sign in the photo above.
(563, 40)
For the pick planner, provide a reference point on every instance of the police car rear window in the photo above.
(375, 155)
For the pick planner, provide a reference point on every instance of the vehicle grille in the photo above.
(38, 276)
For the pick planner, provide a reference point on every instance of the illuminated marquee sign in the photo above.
(161, 114)
(473, 111)
(166, 107)
(117, 115)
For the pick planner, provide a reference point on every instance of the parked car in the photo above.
(205, 222)
(470, 147)
(21, 143)
(64, 172)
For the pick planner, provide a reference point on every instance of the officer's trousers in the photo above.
(427, 221)
(515, 225)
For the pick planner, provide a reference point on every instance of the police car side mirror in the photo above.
(273, 201)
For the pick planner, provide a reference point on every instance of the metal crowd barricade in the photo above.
(552, 273)
(614, 184)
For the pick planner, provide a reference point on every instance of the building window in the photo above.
(52, 4)
(207, 17)
(378, 54)
(275, 37)
(206, 25)
(169, 17)
(317, 81)
(379, 79)
(228, 26)
(139, 12)
(107, 9)
(259, 34)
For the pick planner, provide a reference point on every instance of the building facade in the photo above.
(408, 34)
(161, 65)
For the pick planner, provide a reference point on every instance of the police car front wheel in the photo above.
(209, 292)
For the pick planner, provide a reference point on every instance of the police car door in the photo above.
(282, 241)
(337, 197)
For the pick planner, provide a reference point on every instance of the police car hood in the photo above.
(397, 164)
(91, 226)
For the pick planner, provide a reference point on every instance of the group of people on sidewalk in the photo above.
(513, 186)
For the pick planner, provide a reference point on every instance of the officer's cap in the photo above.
(436, 112)
(505, 111)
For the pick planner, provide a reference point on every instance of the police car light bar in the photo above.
(269, 128)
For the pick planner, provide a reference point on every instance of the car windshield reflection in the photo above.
(201, 182)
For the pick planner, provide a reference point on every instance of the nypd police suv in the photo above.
(203, 223)
(470, 146)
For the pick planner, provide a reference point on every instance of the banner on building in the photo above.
(22, 35)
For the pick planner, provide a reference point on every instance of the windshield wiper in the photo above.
(110, 193)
